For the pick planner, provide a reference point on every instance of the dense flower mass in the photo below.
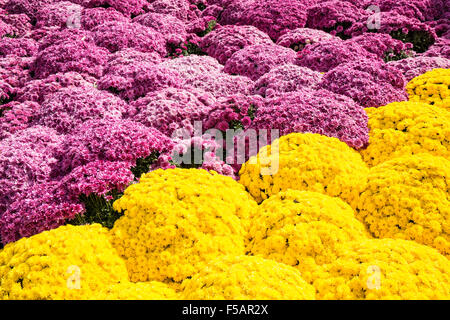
(52, 264)
(224, 41)
(224, 278)
(79, 56)
(152, 290)
(303, 229)
(298, 38)
(305, 161)
(408, 198)
(385, 269)
(326, 55)
(282, 16)
(171, 109)
(286, 78)
(224, 149)
(432, 87)
(319, 112)
(406, 128)
(116, 35)
(256, 60)
(110, 140)
(171, 229)
(369, 83)
(71, 106)
(415, 66)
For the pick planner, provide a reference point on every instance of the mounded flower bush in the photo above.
(415, 66)
(165, 202)
(385, 269)
(256, 60)
(297, 39)
(79, 56)
(72, 106)
(71, 262)
(286, 78)
(326, 55)
(406, 128)
(408, 198)
(303, 229)
(369, 83)
(320, 112)
(305, 161)
(171, 109)
(226, 40)
(245, 278)
(152, 290)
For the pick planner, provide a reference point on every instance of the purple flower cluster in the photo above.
(21, 47)
(369, 83)
(326, 55)
(282, 16)
(72, 106)
(384, 46)
(180, 9)
(223, 42)
(109, 140)
(128, 7)
(440, 48)
(316, 111)
(79, 56)
(17, 25)
(334, 16)
(172, 29)
(57, 14)
(415, 66)
(286, 78)
(38, 90)
(298, 38)
(17, 116)
(171, 109)
(92, 17)
(139, 80)
(400, 27)
(256, 60)
(117, 35)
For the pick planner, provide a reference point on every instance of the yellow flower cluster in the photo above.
(432, 87)
(409, 198)
(177, 220)
(70, 262)
(305, 161)
(152, 290)
(303, 229)
(247, 278)
(386, 269)
(406, 128)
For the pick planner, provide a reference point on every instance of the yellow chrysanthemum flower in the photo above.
(247, 278)
(303, 229)
(385, 269)
(305, 161)
(406, 128)
(432, 87)
(177, 220)
(70, 262)
(137, 291)
(409, 198)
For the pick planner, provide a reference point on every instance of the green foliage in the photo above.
(421, 40)
(143, 165)
(98, 210)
